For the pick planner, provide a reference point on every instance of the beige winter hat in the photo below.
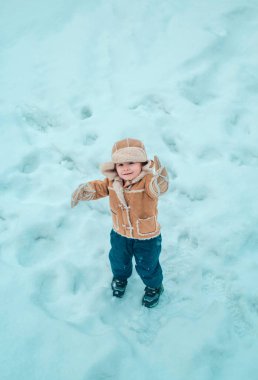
(129, 150)
(126, 150)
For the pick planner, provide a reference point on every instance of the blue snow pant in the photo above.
(146, 254)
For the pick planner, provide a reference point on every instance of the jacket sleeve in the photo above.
(90, 191)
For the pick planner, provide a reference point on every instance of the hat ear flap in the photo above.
(109, 170)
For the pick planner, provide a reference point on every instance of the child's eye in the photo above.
(131, 163)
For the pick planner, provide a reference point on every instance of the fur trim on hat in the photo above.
(129, 154)
(129, 150)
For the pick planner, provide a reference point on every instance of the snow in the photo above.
(76, 77)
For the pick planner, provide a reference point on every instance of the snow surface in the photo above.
(75, 76)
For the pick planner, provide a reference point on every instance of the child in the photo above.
(133, 189)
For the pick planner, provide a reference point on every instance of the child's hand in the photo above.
(84, 192)
(159, 169)
(157, 164)
(161, 176)
(76, 196)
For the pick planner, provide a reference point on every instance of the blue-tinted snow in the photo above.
(74, 78)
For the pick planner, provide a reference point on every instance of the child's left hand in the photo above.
(161, 175)
(159, 169)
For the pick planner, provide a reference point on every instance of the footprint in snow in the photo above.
(235, 123)
(171, 143)
(194, 194)
(29, 163)
(245, 156)
(199, 88)
(179, 267)
(186, 239)
(35, 250)
(145, 323)
(85, 112)
(152, 103)
(68, 163)
(35, 244)
(37, 118)
(242, 312)
(82, 111)
(209, 154)
(241, 318)
(69, 294)
(90, 139)
(54, 285)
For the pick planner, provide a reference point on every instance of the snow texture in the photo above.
(75, 76)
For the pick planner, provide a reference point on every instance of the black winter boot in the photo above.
(151, 296)
(118, 287)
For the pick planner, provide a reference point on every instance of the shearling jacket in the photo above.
(133, 204)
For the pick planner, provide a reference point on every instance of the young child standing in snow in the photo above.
(133, 187)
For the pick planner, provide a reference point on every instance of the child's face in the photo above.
(129, 170)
